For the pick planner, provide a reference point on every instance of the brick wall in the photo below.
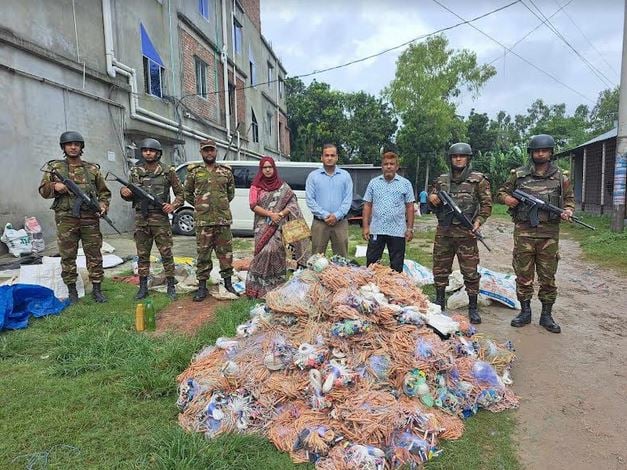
(208, 108)
(252, 10)
(285, 135)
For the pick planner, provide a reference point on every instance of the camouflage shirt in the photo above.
(552, 187)
(210, 190)
(86, 175)
(471, 191)
(157, 183)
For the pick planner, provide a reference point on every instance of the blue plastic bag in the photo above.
(19, 301)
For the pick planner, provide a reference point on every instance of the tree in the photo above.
(358, 123)
(428, 77)
(481, 136)
(605, 112)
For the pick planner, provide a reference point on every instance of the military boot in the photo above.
(201, 293)
(72, 293)
(546, 320)
(229, 286)
(142, 293)
(171, 289)
(440, 297)
(524, 317)
(473, 312)
(96, 293)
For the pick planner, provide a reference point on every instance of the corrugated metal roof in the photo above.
(606, 135)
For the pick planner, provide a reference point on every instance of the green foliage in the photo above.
(429, 76)
(605, 112)
(358, 123)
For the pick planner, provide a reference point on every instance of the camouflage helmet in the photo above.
(541, 141)
(460, 148)
(71, 136)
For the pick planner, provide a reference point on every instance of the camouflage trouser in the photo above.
(541, 254)
(220, 239)
(69, 231)
(444, 250)
(162, 236)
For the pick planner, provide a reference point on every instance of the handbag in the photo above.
(295, 230)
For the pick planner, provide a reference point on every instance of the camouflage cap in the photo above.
(207, 143)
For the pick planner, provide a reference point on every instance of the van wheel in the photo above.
(183, 222)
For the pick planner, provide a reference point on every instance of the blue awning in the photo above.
(148, 49)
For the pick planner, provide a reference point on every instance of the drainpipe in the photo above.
(108, 36)
(225, 71)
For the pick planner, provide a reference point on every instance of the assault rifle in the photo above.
(453, 208)
(145, 198)
(536, 204)
(89, 203)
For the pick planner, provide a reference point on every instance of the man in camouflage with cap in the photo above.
(536, 248)
(210, 187)
(152, 223)
(85, 227)
(471, 191)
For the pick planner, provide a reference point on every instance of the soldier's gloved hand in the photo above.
(103, 208)
(167, 208)
(510, 201)
(125, 192)
(434, 199)
(567, 214)
(60, 188)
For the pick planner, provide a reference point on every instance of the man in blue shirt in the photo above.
(329, 193)
(424, 208)
(388, 215)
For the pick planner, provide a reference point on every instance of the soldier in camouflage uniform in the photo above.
(210, 188)
(537, 247)
(471, 191)
(152, 223)
(85, 227)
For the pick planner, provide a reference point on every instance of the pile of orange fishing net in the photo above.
(340, 368)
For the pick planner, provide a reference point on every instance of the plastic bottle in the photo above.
(140, 322)
(151, 321)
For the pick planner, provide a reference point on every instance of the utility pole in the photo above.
(620, 167)
(416, 179)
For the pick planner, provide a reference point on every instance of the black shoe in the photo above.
(546, 320)
(202, 292)
(142, 293)
(524, 317)
(229, 286)
(171, 289)
(96, 293)
(440, 297)
(473, 311)
(72, 294)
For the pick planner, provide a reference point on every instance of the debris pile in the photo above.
(347, 367)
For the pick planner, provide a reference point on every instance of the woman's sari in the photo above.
(268, 268)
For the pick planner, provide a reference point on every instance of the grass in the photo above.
(84, 390)
(602, 246)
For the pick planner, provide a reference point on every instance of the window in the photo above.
(231, 99)
(153, 78)
(153, 65)
(251, 66)
(201, 77)
(281, 87)
(204, 8)
(237, 36)
(270, 73)
(269, 123)
(254, 126)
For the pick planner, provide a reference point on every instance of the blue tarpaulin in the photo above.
(148, 48)
(19, 301)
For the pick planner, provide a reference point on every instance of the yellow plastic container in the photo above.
(140, 321)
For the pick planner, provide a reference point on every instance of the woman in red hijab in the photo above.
(274, 203)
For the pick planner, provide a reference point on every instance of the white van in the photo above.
(293, 173)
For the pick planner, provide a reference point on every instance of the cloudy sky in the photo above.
(312, 35)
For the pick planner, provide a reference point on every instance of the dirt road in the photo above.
(573, 385)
